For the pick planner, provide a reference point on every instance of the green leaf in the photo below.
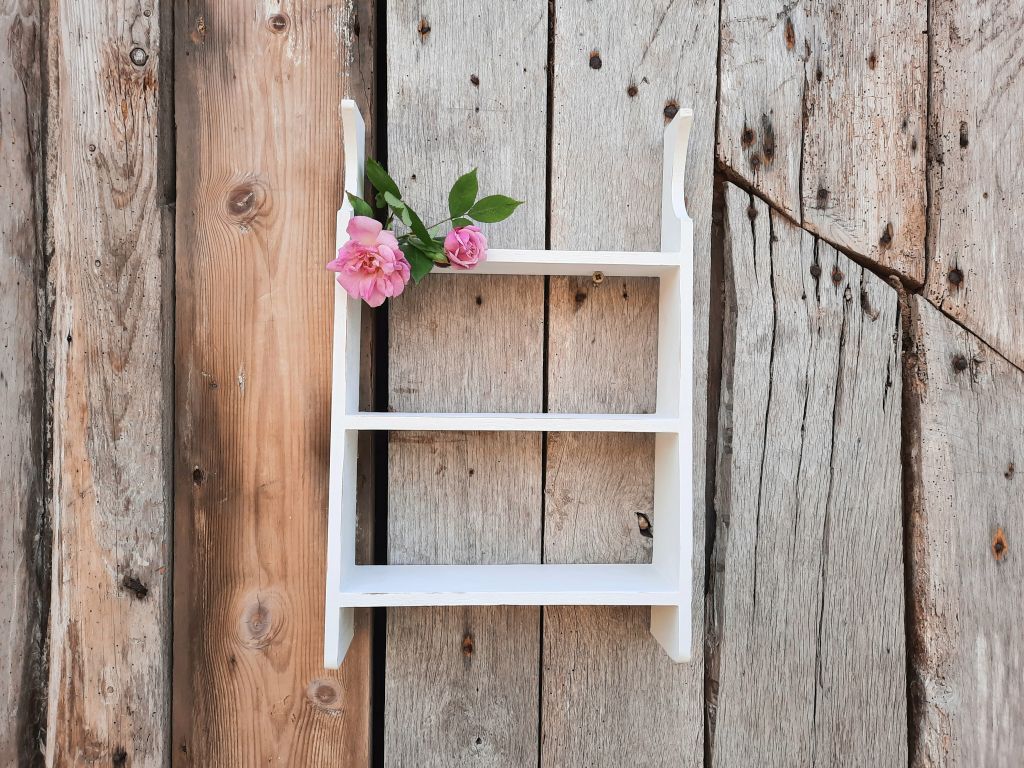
(493, 208)
(359, 206)
(461, 221)
(380, 179)
(416, 224)
(393, 201)
(463, 194)
(420, 263)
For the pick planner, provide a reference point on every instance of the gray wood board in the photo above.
(808, 567)
(461, 683)
(964, 532)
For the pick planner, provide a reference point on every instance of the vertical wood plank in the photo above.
(466, 88)
(976, 175)
(808, 551)
(964, 533)
(109, 619)
(259, 180)
(610, 694)
(823, 109)
(21, 388)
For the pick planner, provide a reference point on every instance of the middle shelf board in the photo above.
(512, 422)
(517, 584)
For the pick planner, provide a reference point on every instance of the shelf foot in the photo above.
(671, 628)
(339, 626)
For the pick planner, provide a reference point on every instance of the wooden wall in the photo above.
(171, 172)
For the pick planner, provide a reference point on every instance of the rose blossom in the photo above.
(370, 265)
(465, 247)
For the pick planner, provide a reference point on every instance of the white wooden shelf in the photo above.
(666, 583)
(512, 422)
(618, 584)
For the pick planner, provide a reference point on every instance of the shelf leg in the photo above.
(339, 626)
(671, 628)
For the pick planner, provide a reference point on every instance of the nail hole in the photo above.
(999, 547)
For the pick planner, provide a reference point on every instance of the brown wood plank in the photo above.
(964, 533)
(466, 87)
(611, 696)
(977, 177)
(110, 349)
(259, 181)
(822, 111)
(21, 382)
(810, 667)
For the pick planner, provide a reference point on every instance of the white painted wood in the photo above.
(524, 422)
(339, 622)
(513, 584)
(666, 583)
(609, 263)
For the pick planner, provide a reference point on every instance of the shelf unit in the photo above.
(665, 584)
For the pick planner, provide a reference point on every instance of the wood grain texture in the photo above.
(610, 694)
(21, 383)
(977, 178)
(822, 110)
(964, 534)
(466, 88)
(808, 598)
(109, 608)
(259, 181)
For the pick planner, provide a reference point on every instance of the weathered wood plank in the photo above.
(976, 174)
(466, 88)
(259, 180)
(611, 696)
(964, 529)
(21, 387)
(808, 552)
(109, 607)
(822, 110)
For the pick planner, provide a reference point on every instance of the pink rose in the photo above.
(370, 265)
(465, 247)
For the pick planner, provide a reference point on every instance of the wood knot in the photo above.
(138, 590)
(474, 80)
(790, 34)
(198, 476)
(964, 136)
(837, 276)
(815, 271)
(747, 136)
(886, 239)
(257, 627)
(1010, 469)
(643, 522)
(632, 90)
(671, 110)
(325, 694)
(467, 644)
(999, 547)
(955, 276)
(960, 363)
(244, 203)
(278, 23)
(872, 60)
(119, 757)
(822, 197)
(595, 60)
(423, 28)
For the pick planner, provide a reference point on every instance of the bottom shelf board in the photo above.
(531, 584)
